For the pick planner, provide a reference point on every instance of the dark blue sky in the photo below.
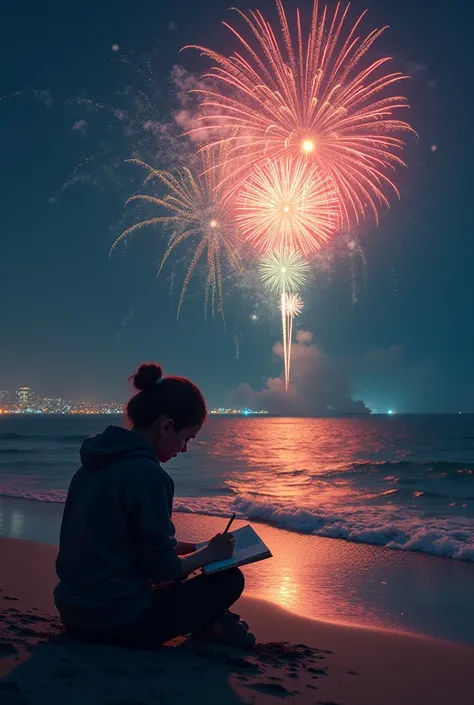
(74, 322)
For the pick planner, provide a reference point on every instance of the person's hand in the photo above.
(220, 547)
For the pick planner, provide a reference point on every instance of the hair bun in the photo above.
(147, 376)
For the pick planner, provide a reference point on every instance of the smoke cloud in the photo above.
(319, 385)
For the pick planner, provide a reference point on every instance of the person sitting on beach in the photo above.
(122, 573)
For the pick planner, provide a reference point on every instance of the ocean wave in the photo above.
(400, 471)
(395, 527)
(392, 527)
(16, 451)
(51, 495)
(13, 436)
(405, 494)
(383, 465)
(55, 437)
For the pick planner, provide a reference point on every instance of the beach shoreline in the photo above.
(320, 663)
(326, 579)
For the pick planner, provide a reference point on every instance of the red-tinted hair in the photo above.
(176, 398)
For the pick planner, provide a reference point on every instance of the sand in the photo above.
(298, 660)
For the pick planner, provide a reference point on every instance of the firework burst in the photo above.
(288, 204)
(293, 304)
(311, 94)
(198, 215)
(283, 271)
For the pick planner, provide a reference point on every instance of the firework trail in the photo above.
(288, 204)
(285, 272)
(313, 94)
(197, 214)
(291, 306)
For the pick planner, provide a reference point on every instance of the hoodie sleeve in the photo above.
(147, 500)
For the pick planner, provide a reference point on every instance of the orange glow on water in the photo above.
(300, 450)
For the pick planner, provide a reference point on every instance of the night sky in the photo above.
(75, 322)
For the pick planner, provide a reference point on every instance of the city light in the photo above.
(238, 412)
(25, 401)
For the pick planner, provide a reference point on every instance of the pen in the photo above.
(230, 523)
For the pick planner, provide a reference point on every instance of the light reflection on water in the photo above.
(317, 460)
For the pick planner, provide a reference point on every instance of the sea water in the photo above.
(405, 482)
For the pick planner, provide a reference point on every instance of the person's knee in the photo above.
(236, 584)
(227, 585)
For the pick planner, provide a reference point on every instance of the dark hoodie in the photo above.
(116, 534)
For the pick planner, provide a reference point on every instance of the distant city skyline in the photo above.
(25, 401)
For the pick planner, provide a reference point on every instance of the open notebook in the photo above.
(249, 548)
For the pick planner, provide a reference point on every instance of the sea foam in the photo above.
(393, 527)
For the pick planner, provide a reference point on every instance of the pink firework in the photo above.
(313, 94)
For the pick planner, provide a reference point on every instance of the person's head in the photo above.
(168, 411)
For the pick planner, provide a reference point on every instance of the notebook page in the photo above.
(248, 545)
(244, 538)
